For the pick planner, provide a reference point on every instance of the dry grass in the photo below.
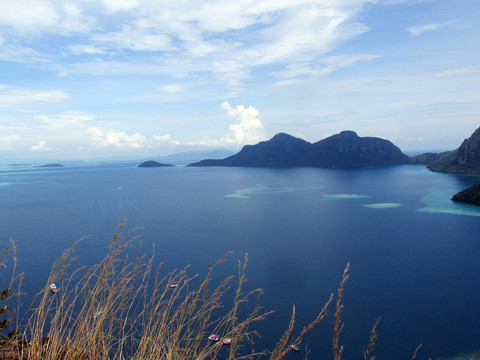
(124, 308)
(338, 323)
(373, 337)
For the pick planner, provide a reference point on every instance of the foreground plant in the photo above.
(123, 308)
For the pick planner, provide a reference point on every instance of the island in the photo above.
(469, 196)
(51, 165)
(463, 160)
(152, 163)
(345, 149)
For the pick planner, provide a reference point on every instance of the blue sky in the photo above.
(83, 79)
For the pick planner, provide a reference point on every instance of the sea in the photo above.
(414, 254)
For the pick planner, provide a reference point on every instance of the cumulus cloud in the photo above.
(41, 146)
(420, 29)
(116, 139)
(121, 140)
(247, 130)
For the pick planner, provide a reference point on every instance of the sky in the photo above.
(92, 79)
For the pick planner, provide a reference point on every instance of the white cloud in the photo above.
(296, 72)
(41, 146)
(231, 72)
(399, 2)
(69, 119)
(305, 30)
(292, 33)
(22, 54)
(31, 16)
(457, 72)
(14, 96)
(172, 88)
(38, 15)
(222, 39)
(420, 29)
(113, 6)
(135, 38)
(111, 68)
(86, 49)
(121, 140)
(116, 139)
(164, 139)
(248, 129)
(8, 140)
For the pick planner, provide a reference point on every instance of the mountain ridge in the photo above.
(345, 149)
(463, 160)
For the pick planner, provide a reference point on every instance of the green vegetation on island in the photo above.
(464, 160)
(469, 196)
(345, 149)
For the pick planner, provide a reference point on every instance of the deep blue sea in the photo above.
(414, 254)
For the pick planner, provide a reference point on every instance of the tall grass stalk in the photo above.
(338, 323)
(124, 308)
(371, 342)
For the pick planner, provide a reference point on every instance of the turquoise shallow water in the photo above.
(438, 201)
(413, 252)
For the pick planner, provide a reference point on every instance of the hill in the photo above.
(152, 163)
(464, 160)
(469, 196)
(345, 149)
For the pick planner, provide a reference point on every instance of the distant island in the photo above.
(469, 196)
(345, 149)
(51, 165)
(152, 163)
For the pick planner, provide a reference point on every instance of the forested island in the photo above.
(345, 149)
(152, 163)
